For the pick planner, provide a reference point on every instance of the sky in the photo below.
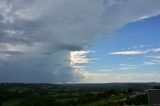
(79, 41)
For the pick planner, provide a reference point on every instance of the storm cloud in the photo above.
(37, 36)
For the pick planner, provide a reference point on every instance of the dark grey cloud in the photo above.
(37, 36)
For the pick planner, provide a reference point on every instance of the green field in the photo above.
(12, 102)
(73, 95)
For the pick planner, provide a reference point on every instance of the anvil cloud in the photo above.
(37, 36)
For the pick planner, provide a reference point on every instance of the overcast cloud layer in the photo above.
(37, 36)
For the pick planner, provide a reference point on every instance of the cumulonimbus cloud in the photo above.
(37, 36)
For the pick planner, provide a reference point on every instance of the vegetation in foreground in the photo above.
(73, 95)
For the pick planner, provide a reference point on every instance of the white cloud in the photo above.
(107, 77)
(128, 65)
(155, 50)
(132, 52)
(136, 52)
(124, 67)
(149, 63)
(104, 70)
(144, 17)
(155, 57)
(79, 57)
(154, 60)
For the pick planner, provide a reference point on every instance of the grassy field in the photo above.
(12, 102)
(71, 95)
